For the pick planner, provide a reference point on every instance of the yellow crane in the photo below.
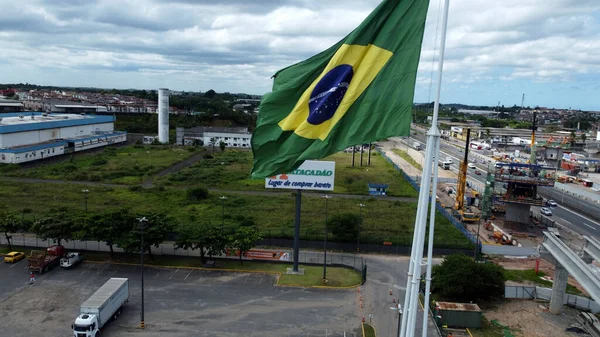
(461, 188)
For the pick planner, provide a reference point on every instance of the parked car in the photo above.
(546, 211)
(472, 166)
(13, 257)
(477, 172)
(552, 203)
(70, 260)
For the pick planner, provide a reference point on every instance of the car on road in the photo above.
(477, 172)
(13, 257)
(552, 203)
(546, 211)
(472, 166)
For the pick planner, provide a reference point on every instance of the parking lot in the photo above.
(178, 302)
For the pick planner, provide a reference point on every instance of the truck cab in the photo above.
(86, 326)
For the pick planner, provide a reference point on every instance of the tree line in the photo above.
(122, 228)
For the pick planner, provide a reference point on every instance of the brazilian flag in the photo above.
(358, 91)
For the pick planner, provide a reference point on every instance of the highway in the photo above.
(583, 224)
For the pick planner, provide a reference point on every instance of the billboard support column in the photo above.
(297, 229)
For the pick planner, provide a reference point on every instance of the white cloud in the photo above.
(236, 45)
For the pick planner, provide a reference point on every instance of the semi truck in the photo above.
(105, 304)
(42, 261)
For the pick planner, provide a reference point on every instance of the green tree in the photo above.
(583, 137)
(156, 230)
(197, 193)
(244, 239)
(460, 278)
(345, 226)
(108, 227)
(204, 236)
(10, 223)
(210, 94)
(212, 143)
(572, 138)
(57, 225)
(222, 146)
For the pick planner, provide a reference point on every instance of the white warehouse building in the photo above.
(26, 136)
(232, 137)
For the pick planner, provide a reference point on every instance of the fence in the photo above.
(439, 207)
(168, 248)
(531, 292)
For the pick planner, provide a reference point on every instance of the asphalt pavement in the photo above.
(178, 302)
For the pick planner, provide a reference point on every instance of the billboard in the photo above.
(256, 254)
(311, 175)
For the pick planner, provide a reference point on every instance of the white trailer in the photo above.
(103, 305)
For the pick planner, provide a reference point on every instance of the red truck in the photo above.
(41, 261)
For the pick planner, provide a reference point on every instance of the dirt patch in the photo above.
(545, 267)
(531, 319)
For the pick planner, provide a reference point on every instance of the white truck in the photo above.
(444, 164)
(416, 146)
(70, 260)
(105, 304)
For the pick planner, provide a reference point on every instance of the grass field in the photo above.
(231, 170)
(124, 165)
(369, 330)
(383, 220)
(404, 155)
(529, 275)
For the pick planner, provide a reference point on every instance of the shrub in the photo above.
(197, 194)
(135, 188)
(344, 226)
(460, 278)
(208, 156)
(99, 161)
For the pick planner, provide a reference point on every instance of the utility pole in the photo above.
(85, 196)
(326, 197)
(142, 222)
(359, 224)
(223, 198)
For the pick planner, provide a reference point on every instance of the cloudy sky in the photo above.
(496, 50)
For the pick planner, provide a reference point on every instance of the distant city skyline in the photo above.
(496, 51)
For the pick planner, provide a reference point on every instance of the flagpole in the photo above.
(432, 151)
(430, 240)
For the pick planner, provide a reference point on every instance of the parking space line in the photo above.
(188, 274)
(174, 273)
(261, 278)
(589, 226)
(155, 276)
(247, 276)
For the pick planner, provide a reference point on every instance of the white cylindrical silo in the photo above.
(163, 116)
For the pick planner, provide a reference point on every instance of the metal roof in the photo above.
(12, 123)
(104, 293)
(104, 135)
(33, 147)
(11, 104)
(376, 185)
(458, 306)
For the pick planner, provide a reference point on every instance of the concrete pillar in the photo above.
(559, 287)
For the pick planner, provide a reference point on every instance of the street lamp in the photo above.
(359, 224)
(326, 197)
(223, 198)
(142, 221)
(85, 197)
